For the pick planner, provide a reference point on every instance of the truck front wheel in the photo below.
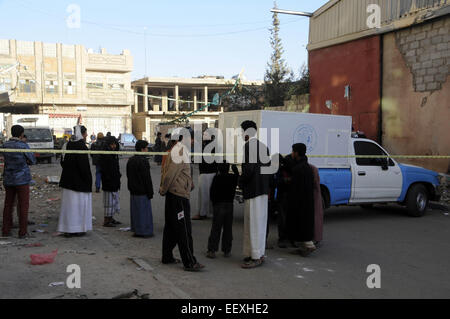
(417, 200)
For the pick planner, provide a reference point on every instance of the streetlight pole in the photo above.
(296, 13)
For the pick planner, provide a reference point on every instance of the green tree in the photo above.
(278, 75)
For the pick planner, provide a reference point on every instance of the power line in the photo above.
(167, 35)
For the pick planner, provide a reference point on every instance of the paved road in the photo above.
(413, 253)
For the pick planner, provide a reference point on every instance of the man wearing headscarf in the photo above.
(110, 169)
(75, 218)
(141, 192)
(300, 217)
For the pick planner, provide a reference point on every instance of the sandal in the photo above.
(109, 224)
(253, 263)
(194, 268)
(115, 222)
(211, 254)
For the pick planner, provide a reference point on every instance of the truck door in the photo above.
(374, 180)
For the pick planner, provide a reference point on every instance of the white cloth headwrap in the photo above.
(78, 135)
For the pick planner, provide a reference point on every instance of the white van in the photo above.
(40, 138)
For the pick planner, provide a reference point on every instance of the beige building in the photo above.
(159, 100)
(69, 83)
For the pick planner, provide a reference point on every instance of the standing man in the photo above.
(16, 179)
(158, 148)
(75, 218)
(255, 187)
(141, 192)
(110, 170)
(97, 146)
(207, 171)
(176, 186)
(300, 218)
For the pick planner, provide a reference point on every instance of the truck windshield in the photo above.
(38, 135)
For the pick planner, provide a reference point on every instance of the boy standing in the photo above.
(110, 171)
(222, 193)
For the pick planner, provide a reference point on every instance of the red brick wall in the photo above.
(357, 64)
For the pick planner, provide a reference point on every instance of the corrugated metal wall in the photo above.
(346, 17)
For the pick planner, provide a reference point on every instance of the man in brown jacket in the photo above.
(176, 186)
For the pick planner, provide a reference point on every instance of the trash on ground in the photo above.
(80, 252)
(39, 231)
(55, 284)
(132, 295)
(52, 179)
(4, 243)
(125, 229)
(42, 259)
(141, 263)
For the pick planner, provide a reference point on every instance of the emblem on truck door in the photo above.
(307, 135)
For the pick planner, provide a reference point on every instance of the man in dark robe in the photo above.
(300, 217)
(141, 192)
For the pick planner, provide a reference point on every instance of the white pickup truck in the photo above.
(348, 180)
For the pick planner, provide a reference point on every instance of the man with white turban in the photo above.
(75, 218)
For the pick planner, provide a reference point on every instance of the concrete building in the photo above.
(392, 78)
(67, 82)
(160, 100)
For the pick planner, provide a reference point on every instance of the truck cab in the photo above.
(379, 180)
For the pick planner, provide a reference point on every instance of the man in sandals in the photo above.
(255, 186)
(176, 186)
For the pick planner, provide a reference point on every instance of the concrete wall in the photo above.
(415, 115)
(356, 64)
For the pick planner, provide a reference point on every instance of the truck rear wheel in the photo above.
(417, 200)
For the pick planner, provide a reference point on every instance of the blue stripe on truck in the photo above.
(338, 181)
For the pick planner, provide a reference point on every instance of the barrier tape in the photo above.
(3, 150)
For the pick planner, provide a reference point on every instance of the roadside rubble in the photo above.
(132, 295)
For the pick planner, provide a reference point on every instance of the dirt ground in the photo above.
(413, 254)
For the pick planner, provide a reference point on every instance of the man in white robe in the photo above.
(76, 182)
(255, 186)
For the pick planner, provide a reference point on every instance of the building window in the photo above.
(116, 86)
(27, 86)
(51, 87)
(94, 85)
(70, 87)
(5, 84)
